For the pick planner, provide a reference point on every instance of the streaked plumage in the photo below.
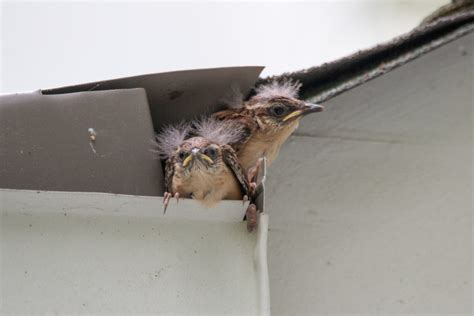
(267, 120)
(203, 167)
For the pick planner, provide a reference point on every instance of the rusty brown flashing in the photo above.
(456, 6)
(323, 82)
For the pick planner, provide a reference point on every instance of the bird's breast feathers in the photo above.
(265, 143)
(207, 187)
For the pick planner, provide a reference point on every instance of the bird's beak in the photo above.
(206, 157)
(292, 115)
(312, 108)
(308, 108)
(195, 153)
(187, 160)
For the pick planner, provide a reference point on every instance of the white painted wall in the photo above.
(370, 202)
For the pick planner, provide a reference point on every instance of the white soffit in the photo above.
(69, 252)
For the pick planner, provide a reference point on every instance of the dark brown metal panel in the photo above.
(45, 143)
(180, 95)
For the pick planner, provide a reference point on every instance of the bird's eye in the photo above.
(181, 155)
(278, 110)
(211, 152)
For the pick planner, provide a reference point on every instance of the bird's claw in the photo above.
(176, 195)
(251, 215)
(166, 200)
(253, 171)
(252, 188)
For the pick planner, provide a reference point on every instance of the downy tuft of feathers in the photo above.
(283, 88)
(219, 132)
(170, 138)
(234, 98)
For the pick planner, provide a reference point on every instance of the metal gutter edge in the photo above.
(117, 237)
(261, 266)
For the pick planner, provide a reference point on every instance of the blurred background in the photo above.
(50, 44)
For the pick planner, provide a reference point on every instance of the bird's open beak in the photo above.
(187, 160)
(206, 157)
(308, 108)
(194, 153)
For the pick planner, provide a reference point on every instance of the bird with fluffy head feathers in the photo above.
(267, 119)
(200, 164)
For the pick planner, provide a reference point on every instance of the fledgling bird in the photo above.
(267, 119)
(203, 167)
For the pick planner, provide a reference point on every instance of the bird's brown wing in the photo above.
(169, 173)
(244, 119)
(230, 159)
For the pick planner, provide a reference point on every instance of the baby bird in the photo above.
(203, 167)
(267, 119)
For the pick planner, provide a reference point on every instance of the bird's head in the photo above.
(199, 153)
(276, 105)
(197, 145)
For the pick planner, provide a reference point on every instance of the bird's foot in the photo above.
(252, 188)
(166, 200)
(245, 198)
(176, 195)
(251, 215)
(253, 171)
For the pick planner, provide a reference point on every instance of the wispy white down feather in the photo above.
(234, 98)
(283, 88)
(170, 138)
(219, 132)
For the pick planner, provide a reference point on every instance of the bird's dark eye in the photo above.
(211, 152)
(278, 110)
(181, 155)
